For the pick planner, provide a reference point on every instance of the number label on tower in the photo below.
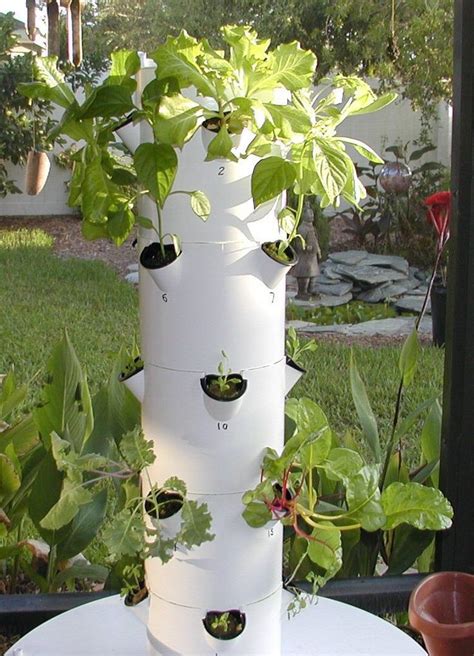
(165, 298)
(222, 425)
(221, 170)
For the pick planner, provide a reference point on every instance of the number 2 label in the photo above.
(221, 170)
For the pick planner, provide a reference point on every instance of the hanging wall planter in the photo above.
(293, 373)
(276, 263)
(165, 270)
(37, 171)
(223, 394)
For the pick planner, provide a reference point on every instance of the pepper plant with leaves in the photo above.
(266, 91)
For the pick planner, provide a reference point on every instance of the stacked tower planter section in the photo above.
(214, 314)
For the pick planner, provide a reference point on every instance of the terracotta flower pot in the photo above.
(442, 609)
(37, 171)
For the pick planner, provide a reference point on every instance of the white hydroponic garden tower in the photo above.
(222, 293)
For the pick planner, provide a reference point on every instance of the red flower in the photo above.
(438, 212)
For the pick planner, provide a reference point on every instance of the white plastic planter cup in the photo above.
(272, 269)
(135, 382)
(166, 272)
(219, 406)
(293, 373)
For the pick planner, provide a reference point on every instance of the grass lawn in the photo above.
(41, 294)
(327, 383)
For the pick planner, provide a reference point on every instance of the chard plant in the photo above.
(249, 86)
(355, 509)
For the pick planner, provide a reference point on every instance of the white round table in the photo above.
(108, 628)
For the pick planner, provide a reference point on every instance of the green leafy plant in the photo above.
(352, 312)
(295, 347)
(240, 89)
(225, 384)
(79, 449)
(224, 625)
(23, 125)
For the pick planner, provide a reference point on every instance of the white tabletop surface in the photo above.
(107, 628)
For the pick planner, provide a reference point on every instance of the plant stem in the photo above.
(442, 243)
(160, 230)
(51, 568)
(16, 560)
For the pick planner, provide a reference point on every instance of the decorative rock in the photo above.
(371, 275)
(132, 267)
(331, 272)
(411, 303)
(324, 280)
(391, 261)
(397, 327)
(333, 301)
(132, 277)
(333, 289)
(348, 257)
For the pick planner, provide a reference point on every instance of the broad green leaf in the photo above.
(10, 480)
(176, 120)
(75, 184)
(120, 224)
(46, 71)
(23, 436)
(116, 412)
(107, 101)
(96, 192)
(123, 176)
(287, 120)
(363, 498)
(324, 548)
(408, 357)
(423, 507)
(256, 514)
(124, 63)
(342, 463)
(364, 411)
(270, 177)
(178, 58)
(81, 571)
(431, 433)
(195, 525)
(363, 149)
(221, 146)
(44, 494)
(313, 437)
(423, 473)
(84, 527)
(200, 204)
(287, 220)
(244, 43)
(408, 544)
(397, 470)
(66, 407)
(156, 166)
(11, 396)
(333, 166)
(373, 106)
(136, 450)
(72, 497)
(93, 231)
(125, 535)
(290, 66)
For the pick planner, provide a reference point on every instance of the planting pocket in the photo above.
(293, 373)
(274, 265)
(163, 264)
(223, 394)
